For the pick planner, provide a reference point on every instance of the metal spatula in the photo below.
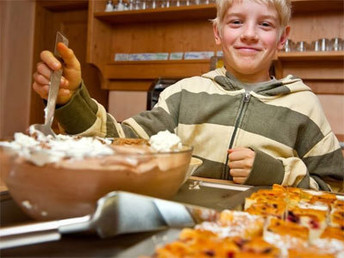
(53, 92)
(116, 213)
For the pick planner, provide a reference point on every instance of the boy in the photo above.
(252, 129)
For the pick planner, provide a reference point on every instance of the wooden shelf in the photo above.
(205, 11)
(325, 67)
(311, 55)
(63, 5)
(155, 69)
(305, 6)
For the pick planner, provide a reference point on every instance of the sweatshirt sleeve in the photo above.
(315, 172)
(266, 170)
(325, 162)
(84, 116)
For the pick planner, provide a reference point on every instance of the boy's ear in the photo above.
(283, 37)
(217, 34)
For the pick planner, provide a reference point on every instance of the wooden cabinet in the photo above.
(313, 20)
(175, 29)
(188, 28)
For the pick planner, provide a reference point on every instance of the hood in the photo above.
(287, 85)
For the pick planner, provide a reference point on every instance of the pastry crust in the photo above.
(130, 141)
(278, 222)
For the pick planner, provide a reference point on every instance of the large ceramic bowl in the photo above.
(72, 188)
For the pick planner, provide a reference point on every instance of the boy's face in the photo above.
(250, 39)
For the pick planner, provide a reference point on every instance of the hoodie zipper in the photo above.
(244, 103)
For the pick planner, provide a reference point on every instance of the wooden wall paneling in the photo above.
(326, 87)
(309, 26)
(43, 38)
(16, 40)
(124, 104)
(306, 6)
(163, 37)
(156, 69)
(333, 106)
(63, 5)
(99, 5)
(322, 70)
(128, 85)
(98, 40)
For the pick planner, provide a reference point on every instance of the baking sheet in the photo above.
(214, 195)
(147, 247)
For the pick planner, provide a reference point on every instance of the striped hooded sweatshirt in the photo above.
(281, 120)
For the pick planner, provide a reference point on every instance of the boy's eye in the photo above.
(266, 24)
(235, 22)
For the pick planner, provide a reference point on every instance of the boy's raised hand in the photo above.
(70, 80)
(240, 162)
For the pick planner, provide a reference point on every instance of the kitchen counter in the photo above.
(216, 194)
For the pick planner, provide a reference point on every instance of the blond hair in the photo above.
(283, 8)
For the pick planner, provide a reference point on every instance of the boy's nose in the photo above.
(249, 33)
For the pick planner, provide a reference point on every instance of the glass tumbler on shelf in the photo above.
(137, 5)
(131, 5)
(120, 6)
(165, 3)
(144, 5)
(151, 4)
(301, 46)
(336, 44)
(315, 45)
(324, 44)
(162, 3)
(109, 6)
(289, 46)
(176, 3)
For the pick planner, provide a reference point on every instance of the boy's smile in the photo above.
(250, 38)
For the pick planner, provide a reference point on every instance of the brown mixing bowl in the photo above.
(72, 188)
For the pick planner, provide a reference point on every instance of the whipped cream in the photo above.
(40, 149)
(165, 141)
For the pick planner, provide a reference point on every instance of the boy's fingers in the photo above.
(68, 56)
(49, 59)
(64, 83)
(240, 154)
(41, 79)
(239, 172)
(42, 90)
(239, 180)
